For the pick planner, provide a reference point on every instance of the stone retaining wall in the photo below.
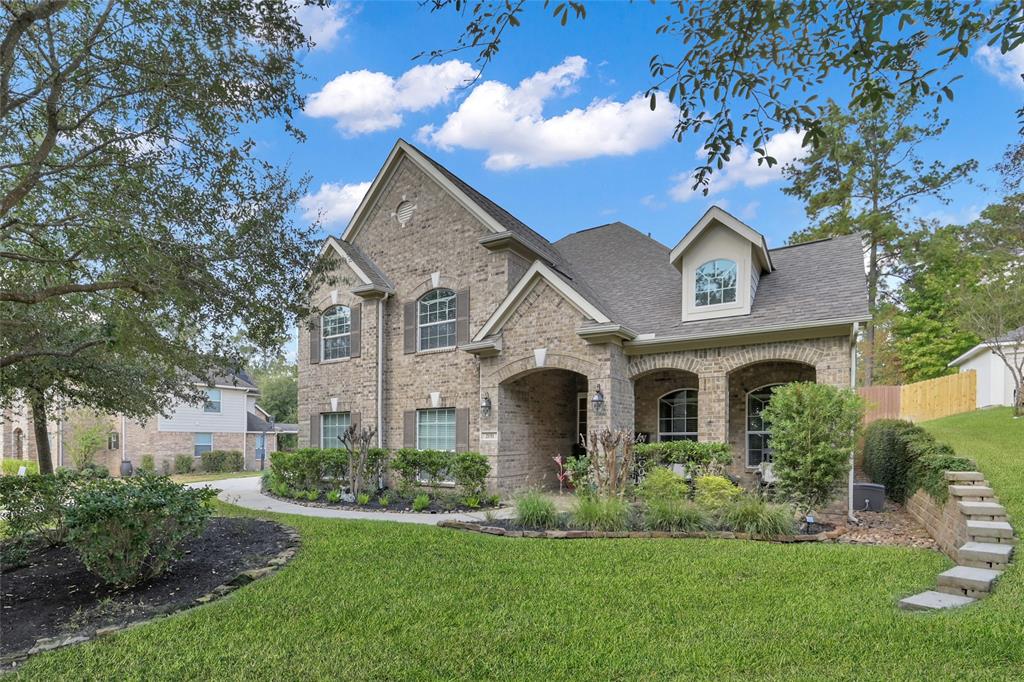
(944, 522)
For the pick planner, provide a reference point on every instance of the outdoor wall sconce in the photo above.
(598, 400)
(485, 404)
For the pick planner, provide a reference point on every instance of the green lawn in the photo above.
(195, 478)
(375, 601)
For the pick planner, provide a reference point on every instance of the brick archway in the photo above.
(661, 361)
(800, 353)
(520, 367)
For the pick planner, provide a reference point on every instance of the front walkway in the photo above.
(245, 492)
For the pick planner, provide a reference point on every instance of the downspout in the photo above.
(853, 387)
(380, 380)
(124, 439)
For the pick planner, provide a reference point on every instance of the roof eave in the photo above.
(604, 333)
(489, 347)
(509, 241)
(659, 343)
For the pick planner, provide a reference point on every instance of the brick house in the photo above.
(230, 419)
(451, 324)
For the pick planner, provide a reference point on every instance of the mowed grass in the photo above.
(386, 601)
(198, 477)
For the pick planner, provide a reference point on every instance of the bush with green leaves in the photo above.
(928, 473)
(36, 504)
(130, 530)
(750, 514)
(417, 467)
(814, 428)
(698, 457)
(12, 466)
(469, 470)
(184, 463)
(674, 514)
(535, 510)
(578, 470)
(661, 483)
(420, 502)
(601, 512)
(892, 449)
(147, 465)
(317, 467)
(714, 493)
(384, 499)
(334, 496)
(222, 461)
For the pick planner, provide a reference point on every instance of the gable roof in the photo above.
(1008, 338)
(366, 270)
(718, 215)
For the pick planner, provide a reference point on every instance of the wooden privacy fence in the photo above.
(923, 400)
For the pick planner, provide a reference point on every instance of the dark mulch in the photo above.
(396, 504)
(512, 524)
(54, 595)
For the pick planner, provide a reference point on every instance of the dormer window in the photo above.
(715, 283)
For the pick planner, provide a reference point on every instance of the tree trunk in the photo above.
(869, 331)
(43, 455)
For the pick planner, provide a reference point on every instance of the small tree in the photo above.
(89, 436)
(356, 440)
(994, 310)
(813, 430)
(612, 459)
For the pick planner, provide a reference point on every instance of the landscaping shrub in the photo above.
(675, 514)
(93, 470)
(37, 504)
(309, 467)
(183, 464)
(147, 466)
(420, 502)
(813, 429)
(578, 469)
(705, 457)
(384, 499)
(714, 493)
(749, 514)
(334, 496)
(928, 473)
(469, 470)
(11, 466)
(313, 494)
(662, 483)
(891, 450)
(130, 530)
(419, 467)
(601, 512)
(222, 461)
(534, 510)
(362, 498)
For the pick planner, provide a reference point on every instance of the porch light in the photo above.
(485, 404)
(598, 400)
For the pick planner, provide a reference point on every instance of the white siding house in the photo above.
(995, 380)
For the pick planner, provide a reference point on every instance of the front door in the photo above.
(261, 447)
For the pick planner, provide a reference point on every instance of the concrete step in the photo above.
(983, 511)
(968, 581)
(930, 600)
(972, 492)
(965, 476)
(999, 532)
(984, 554)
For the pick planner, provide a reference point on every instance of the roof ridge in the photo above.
(813, 241)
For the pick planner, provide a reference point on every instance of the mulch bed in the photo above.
(894, 527)
(52, 600)
(396, 505)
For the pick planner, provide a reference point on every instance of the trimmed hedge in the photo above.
(469, 470)
(309, 468)
(903, 457)
(219, 461)
(686, 452)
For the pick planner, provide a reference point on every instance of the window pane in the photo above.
(337, 347)
(715, 283)
(677, 415)
(435, 429)
(436, 315)
(332, 426)
(336, 327)
(212, 400)
(201, 442)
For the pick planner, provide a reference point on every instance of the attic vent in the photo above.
(404, 212)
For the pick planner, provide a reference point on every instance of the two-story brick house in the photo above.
(453, 325)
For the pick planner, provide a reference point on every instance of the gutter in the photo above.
(380, 369)
(853, 387)
(663, 340)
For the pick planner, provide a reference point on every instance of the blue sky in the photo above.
(571, 147)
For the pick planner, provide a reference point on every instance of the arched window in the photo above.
(19, 444)
(677, 415)
(715, 283)
(758, 437)
(436, 320)
(335, 328)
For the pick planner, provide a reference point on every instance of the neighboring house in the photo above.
(229, 420)
(994, 379)
(453, 325)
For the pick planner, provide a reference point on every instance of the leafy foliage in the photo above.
(469, 470)
(37, 503)
(127, 531)
(663, 483)
(698, 457)
(714, 493)
(814, 428)
(749, 514)
(314, 467)
(535, 510)
(904, 457)
(88, 436)
(928, 473)
(220, 461)
(184, 463)
(147, 465)
(420, 502)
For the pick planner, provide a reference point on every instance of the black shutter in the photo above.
(461, 429)
(462, 317)
(410, 327)
(355, 329)
(354, 418)
(314, 341)
(409, 429)
(314, 430)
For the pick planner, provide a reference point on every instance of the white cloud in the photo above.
(1008, 68)
(368, 101)
(333, 203)
(742, 168)
(322, 24)
(509, 124)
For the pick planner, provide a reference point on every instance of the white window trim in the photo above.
(209, 403)
(746, 425)
(421, 325)
(724, 304)
(584, 397)
(446, 482)
(676, 433)
(323, 415)
(324, 337)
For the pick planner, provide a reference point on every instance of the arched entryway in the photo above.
(666, 405)
(542, 412)
(750, 389)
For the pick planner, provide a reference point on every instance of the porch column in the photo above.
(619, 404)
(489, 441)
(713, 407)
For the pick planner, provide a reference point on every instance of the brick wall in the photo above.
(649, 389)
(945, 522)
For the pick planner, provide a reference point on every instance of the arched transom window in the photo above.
(436, 312)
(759, 447)
(677, 415)
(336, 328)
(715, 283)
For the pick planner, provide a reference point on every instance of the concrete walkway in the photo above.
(245, 492)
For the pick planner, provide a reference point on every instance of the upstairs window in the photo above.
(212, 400)
(716, 283)
(336, 330)
(436, 320)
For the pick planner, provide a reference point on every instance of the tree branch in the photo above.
(43, 294)
(31, 14)
(13, 358)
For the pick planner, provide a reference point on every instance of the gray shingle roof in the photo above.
(241, 379)
(374, 273)
(254, 422)
(1010, 336)
(818, 281)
